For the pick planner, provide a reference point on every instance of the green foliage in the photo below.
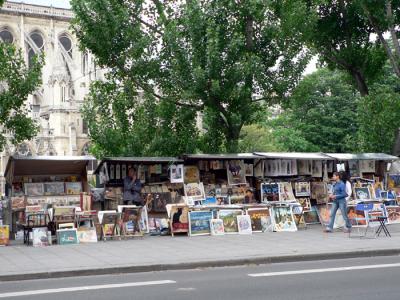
(17, 81)
(199, 56)
(321, 116)
(257, 138)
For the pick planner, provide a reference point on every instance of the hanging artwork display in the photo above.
(258, 171)
(117, 171)
(40, 237)
(302, 189)
(260, 219)
(176, 173)
(354, 169)
(393, 214)
(199, 222)
(123, 171)
(304, 167)
(362, 193)
(112, 172)
(316, 168)
(286, 192)
(249, 172)
(244, 224)
(191, 174)
(195, 190)
(283, 219)
(236, 172)
(229, 218)
(319, 192)
(367, 166)
(269, 192)
(311, 216)
(217, 227)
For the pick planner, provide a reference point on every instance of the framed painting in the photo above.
(299, 220)
(393, 181)
(256, 217)
(199, 222)
(34, 189)
(269, 192)
(217, 227)
(393, 214)
(319, 192)
(87, 235)
(236, 172)
(194, 190)
(286, 192)
(305, 203)
(191, 174)
(367, 166)
(324, 214)
(362, 193)
(4, 235)
(67, 237)
(302, 189)
(179, 219)
(283, 219)
(249, 170)
(304, 167)
(311, 216)
(18, 203)
(54, 188)
(244, 224)
(229, 218)
(354, 169)
(73, 188)
(357, 217)
(40, 237)
(176, 173)
(316, 168)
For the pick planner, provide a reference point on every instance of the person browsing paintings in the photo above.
(338, 199)
(132, 188)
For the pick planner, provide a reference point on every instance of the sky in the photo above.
(55, 3)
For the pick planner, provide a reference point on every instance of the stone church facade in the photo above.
(66, 76)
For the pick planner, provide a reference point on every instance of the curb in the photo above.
(205, 264)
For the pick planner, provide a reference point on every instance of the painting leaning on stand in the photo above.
(338, 199)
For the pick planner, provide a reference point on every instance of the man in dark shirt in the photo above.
(132, 188)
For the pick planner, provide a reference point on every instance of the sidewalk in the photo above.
(150, 253)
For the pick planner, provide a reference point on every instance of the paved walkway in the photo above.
(153, 253)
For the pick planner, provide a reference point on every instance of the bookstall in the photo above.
(40, 189)
(157, 190)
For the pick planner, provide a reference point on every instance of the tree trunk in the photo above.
(232, 139)
(392, 30)
(360, 82)
(396, 146)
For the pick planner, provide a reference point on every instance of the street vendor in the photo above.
(132, 189)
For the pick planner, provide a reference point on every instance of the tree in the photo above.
(17, 81)
(321, 115)
(338, 33)
(212, 57)
(257, 138)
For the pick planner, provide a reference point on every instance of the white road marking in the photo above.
(309, 271)
(84, 288)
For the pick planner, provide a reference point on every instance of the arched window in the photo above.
(66, 43)
(38, 40)
(6, 36)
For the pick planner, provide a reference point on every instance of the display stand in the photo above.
(63, 214)
(35, 220)
(130, 216)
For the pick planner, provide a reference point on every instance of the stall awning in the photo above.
(232, 156)
(139, 160)
(362, 156)
(294, 155)
(46, 165)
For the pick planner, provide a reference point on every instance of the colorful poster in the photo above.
(195, 190)
(236, 172)
(356, 217)
(305, 203)
(199, 222)
(87, 235)
(283, 219)
(244, 224)
(4, 235)
(179, 219)
(286, 192)
(229, 217)
(302, 189)
(269, 192)
(176, 173)
(217, 227)
(362, 193)
(393, 214)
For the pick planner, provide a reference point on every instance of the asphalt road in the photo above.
(364, 278)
